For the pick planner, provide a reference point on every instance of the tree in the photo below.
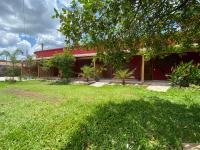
(87, 72)
(29, 63)
(12, 56)
(64, 62)
(117, 59)
(123, 74)
(130, 25)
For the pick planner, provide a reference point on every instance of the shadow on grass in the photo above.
(153, 124)
(11, 81)
(60, 82)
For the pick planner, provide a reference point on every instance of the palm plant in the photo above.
(123, 74)
(12, 56)
(88, 72)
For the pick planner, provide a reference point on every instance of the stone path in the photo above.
(79, 82)
(191, 146)
(7, 78)
(99, 84)
(158, 86)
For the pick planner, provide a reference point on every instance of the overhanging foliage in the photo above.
(110, 25)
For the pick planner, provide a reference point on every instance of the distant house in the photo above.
(4, 62)
(3, 67)
(154, 69)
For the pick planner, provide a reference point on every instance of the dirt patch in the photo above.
(24, 93)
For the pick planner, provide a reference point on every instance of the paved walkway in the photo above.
(159, 86)
(99, 84)
(7, 78)
(191, 146)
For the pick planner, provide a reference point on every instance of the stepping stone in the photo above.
(83, 82)
(79, 82)
(99, 84)
(158, 88)
(191, 146)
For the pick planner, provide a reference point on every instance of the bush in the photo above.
(13, 72)
(185, 74)
(64, 62)
(195, 75)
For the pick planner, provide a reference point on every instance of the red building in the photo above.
(154, 69)
(83, 57)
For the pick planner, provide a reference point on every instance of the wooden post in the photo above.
(94, 65)
(94, 61)
(142, 70)
(38, 64)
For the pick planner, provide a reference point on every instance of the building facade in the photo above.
(155, 69)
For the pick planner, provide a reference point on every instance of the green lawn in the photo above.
(40, 115)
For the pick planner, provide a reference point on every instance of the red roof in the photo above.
(51, 52)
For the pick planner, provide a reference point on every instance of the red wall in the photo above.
(136, 64)
(79, 64)
(162, 67)
(51, 52)
(159, 67)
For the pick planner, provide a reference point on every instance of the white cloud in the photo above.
(25, 46)
(63, 3)
(54, 40)
(34, 19)
(8, 39)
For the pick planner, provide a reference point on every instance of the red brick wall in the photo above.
(135, 63)
(162, 67)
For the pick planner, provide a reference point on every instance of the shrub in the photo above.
(64, 62)
(12, 72)
(88, 72)
(123, 74)
(195, 75)
(185, 74)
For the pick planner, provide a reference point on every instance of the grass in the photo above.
(110, 117)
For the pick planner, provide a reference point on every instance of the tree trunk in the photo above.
(21, 71)
(123, 81)
(29, 73)
(13, 75)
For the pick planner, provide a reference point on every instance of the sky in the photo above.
(25, 24)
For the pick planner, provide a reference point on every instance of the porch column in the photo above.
(94, 63)
(38, 64)
(142, 70)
